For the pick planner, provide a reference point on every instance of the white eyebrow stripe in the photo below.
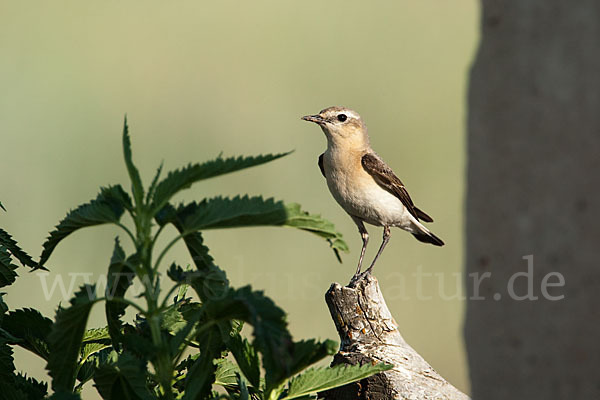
(349, 113)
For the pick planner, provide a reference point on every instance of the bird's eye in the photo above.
(342, 117)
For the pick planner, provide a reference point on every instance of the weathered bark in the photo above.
(369, 333)
(534, 189)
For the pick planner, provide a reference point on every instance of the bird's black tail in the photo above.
(422, 215)
(428, 237)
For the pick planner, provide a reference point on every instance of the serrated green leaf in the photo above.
(66, 337)
(152, 187)
(134, 174)
(201, 375)
(31, 329)
(270, 333)
(3, 307)
(95, 334)
(95, 348)
(7, 268)
(176, 273)
(180, 321)
(307, 352)
(316, 380)
(94, 341)
(199, 379)
(193, 241)
(166, 215)
(116, 194)
(183, 178)
(199, 252)
(125, 379)
(106, 208)
(217, 324)
(139, 344)
(119, 278)
(172, 320)
(222, 212)
(7, 365)
(176, 342)
(11, 245)
(241, 383)
(93, 362)
(13, 386)
(227, 373)
(246, 357)
(194, 318)
(33, 389)
(209, 284)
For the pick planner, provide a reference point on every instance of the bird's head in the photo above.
(342, 126)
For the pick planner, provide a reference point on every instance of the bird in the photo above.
(364, 185)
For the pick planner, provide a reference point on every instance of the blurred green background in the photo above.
(200, 78)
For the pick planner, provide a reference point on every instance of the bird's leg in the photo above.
(386, 239)
(365, 239)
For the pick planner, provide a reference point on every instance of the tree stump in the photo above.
(369, 333)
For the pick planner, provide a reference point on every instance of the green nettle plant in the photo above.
(176, 347)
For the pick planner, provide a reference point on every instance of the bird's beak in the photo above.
(317, 119)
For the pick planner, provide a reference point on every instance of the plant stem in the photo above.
(144, 243)
(163, 365)
(166, 249)
(126, 229)
(157, 233)
(125, 301)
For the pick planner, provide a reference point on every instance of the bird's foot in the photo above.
(358, 277)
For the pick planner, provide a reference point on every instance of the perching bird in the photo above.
(365, 187)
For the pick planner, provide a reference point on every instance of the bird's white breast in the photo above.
(358, 193)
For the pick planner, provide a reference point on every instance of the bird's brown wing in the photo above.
(321, 164)
(386, 178)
